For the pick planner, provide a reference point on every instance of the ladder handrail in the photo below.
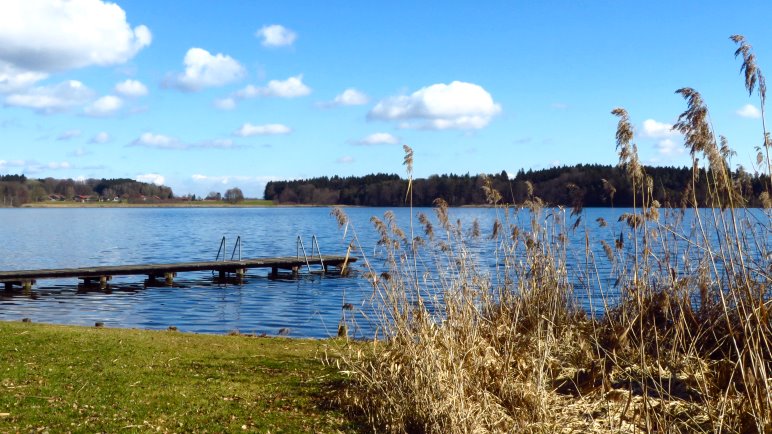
(221, 249)
(299, 245)
(314, 244)
(237, 245)
(315, 241)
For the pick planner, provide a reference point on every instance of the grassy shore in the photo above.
(76, 379)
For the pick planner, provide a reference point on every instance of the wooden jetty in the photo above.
(167, 272)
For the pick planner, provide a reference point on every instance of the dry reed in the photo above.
(682, 343)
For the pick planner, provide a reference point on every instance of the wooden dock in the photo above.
(167, 272)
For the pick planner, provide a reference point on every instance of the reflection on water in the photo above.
(310, 306)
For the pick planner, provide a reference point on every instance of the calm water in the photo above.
(310, 306)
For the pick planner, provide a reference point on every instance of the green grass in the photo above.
(75, 379)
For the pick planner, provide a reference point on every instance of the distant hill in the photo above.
(16, 190)
(585, 184)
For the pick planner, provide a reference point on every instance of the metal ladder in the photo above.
(314, 244)
(236, 247)
(222, 249)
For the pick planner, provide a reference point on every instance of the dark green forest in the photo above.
(590, 185)
(16, 190)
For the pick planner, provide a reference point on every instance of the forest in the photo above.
(590, 185)
(16, 190)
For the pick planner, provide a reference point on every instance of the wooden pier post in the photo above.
(89, 280)
(169, 278)
(9, 286)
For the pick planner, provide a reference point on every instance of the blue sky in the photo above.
(203, 96)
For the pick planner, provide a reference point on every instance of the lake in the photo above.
(309, 306)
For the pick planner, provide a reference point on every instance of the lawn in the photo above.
(80, 379)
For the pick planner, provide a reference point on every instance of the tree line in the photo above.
(16, 190)
(583, 184)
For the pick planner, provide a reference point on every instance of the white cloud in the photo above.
(225, 103)
(248, 130)
(658, 130)
(69, 134)
(457, 105)
(378, 139)
(100, 138)
(348, 97)
(292, 87)
(51, 99)
(13, 79)
(131, 88)
(38, 37)
(56, 165)
(667, 138)
(345, 160)
(160, 141)
(749, 111)
(107, 105)
(276, 35)
(152, 178)
(202, 69)
(4, 164)
(669, 148)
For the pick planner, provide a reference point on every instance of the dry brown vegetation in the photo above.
(682, 344)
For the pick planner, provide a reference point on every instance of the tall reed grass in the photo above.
(682, 343)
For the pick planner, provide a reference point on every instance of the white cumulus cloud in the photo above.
(749, 111)
(378, 139)
(458, 105)
(668, 140)
(56, 165)
(51, 99)
(202, 69)
(131, 88)
(658, 130)
(276, 35)
(669, 148)
(38, 37)
(349, 97)
(160, 141)
(292, 87)
(107, 105)
(13, 79)
(152, 178)
(100, 138)
(248, 130)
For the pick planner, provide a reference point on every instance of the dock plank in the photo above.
(288, 263)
